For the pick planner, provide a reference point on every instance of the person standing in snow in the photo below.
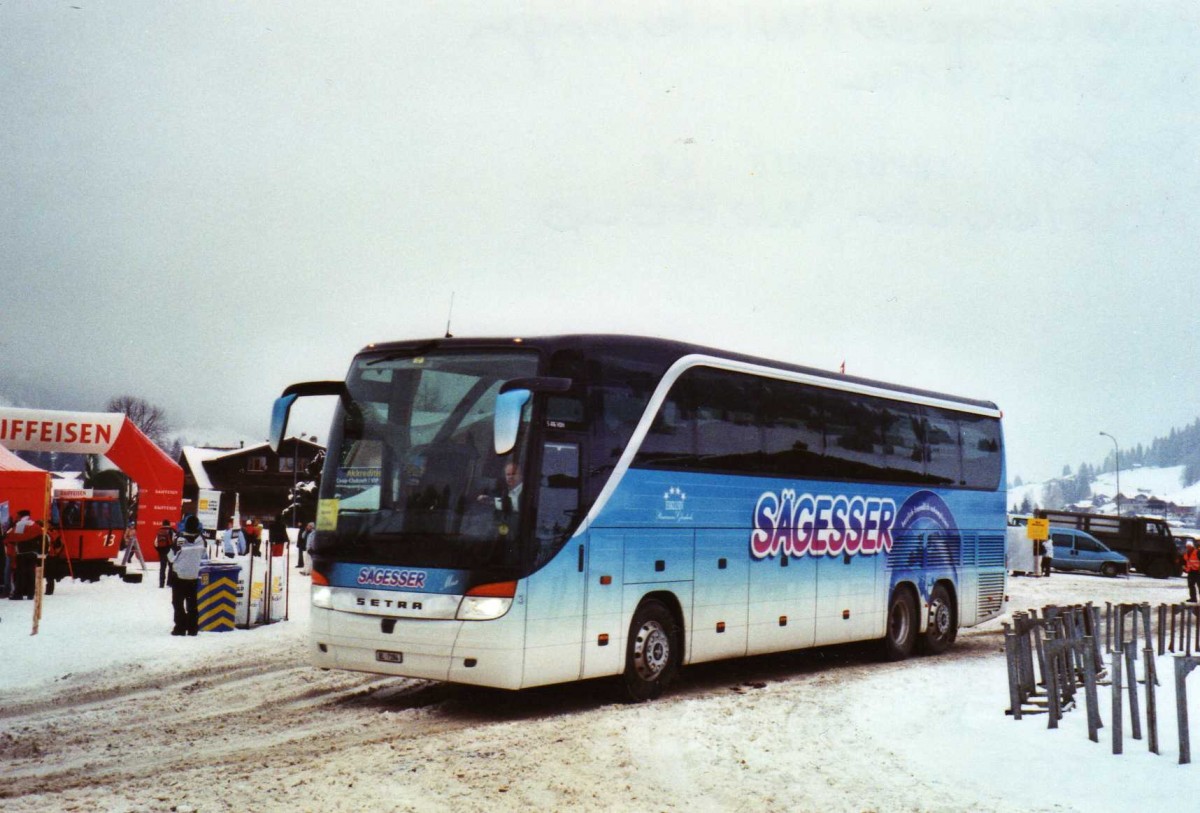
(233, 542)
(9, 553)
(27, 539)
(163, 542)
(302, 544)
(1047, 556)
(185, 558)
(55, 566)
(1191, 566)
(253, 534)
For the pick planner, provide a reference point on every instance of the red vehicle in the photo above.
(92, 525)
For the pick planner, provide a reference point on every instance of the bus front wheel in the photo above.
(943, 622)
(653, 653)
(901, 635)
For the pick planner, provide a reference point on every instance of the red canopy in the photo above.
(23, 485)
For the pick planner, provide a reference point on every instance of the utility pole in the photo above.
(1117, 462)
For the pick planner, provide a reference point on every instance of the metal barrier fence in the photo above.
(1054, 655)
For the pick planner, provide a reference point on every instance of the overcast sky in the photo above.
(201, 203)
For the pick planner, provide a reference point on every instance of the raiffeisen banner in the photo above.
(113, 435)
(43, 430)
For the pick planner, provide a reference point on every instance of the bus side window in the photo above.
(943, 453)
(793, 430)
(558, 499)
(981, 451)
(671, 442)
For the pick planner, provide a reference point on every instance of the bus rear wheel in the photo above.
(943, 622)
(653, 652)
(901, 635)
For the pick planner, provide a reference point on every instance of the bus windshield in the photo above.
(411, 463)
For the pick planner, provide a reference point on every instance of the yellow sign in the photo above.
(1038, 529)
(327, 515)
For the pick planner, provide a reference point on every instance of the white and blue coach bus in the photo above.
(517, 512)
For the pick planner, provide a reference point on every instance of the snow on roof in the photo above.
(195, 456)
(260, 447)
(241, 450)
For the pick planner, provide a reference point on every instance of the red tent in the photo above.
(23, 485)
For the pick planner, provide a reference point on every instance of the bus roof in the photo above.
(666, 351)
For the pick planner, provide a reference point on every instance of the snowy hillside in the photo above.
(1163, 483)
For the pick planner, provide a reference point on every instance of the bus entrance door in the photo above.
(603, 625)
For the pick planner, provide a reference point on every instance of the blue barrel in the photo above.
(216, 595)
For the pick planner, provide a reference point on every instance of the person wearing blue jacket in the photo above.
(186, 557)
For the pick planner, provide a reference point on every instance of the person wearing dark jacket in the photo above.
(26, 536)
(164, 540)
(55, 566)
(302, 543)
(185, 558)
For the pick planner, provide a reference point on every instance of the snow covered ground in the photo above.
(103, 710)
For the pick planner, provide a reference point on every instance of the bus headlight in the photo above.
(483, 602)
(477, 608)
(322, 597)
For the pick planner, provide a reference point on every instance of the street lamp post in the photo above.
(1117, 461)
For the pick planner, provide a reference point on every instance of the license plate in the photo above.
(389, 657)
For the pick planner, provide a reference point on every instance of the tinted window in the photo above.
(619, 394)
(903, 449)
(943, 453)
(854, 448)
(793, 426)
(715, 420)
(1090, 545)
(728, 436)
(671, 441)
(558, 498)
(982, 460)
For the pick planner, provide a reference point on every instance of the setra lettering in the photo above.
(388, 603)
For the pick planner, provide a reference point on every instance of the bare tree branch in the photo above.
(148, 417)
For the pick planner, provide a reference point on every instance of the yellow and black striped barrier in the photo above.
(217, 593)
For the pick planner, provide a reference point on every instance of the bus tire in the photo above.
(653, 653)
(943, 622)
(900, 637)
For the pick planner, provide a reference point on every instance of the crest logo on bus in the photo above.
(821, 525)
(674, 505)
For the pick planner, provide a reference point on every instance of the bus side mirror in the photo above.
(514, 394)
(279, 419)
(508, 419)
(283, 404)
